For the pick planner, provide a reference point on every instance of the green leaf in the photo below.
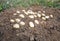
(0, 7)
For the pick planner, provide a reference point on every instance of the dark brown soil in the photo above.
(46, 31)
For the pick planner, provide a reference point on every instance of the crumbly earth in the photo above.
(48, 30)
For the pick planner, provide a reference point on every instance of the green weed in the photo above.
(27, 3)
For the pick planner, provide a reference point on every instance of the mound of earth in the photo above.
(44, 30)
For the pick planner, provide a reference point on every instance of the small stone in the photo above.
(39, 15)
(31, 16)
(43, 11)
(22, 23)
(17, 11)
(51, 16)
(16, 25)
(35, 15)
(31, 24)
(47, 17)
(15, 14)
(43, 14)
(30, 12)
(43, 18)
(12, 20)
(25, 12)
(22, 16)
(17, 20)
(36, 21)
(39, 11)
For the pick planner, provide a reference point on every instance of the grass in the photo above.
(26, 3)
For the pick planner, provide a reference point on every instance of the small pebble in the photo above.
(51, 16)
(43, 14)
(36, 21)
(25, 12)
(12, 20)
(15, 14)
(31, 24)
(43, 18)
(47, 17)
(43, 11)
(30, 12)
(31, 16)
(35, 15)
(16, 26)
(22, 23)
(17, 20)
(39, 15)
(39, 11)
(17, 11)
(22, 16)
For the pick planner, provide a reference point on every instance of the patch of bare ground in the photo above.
(42, 30)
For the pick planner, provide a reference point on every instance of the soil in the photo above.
(46, 31)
